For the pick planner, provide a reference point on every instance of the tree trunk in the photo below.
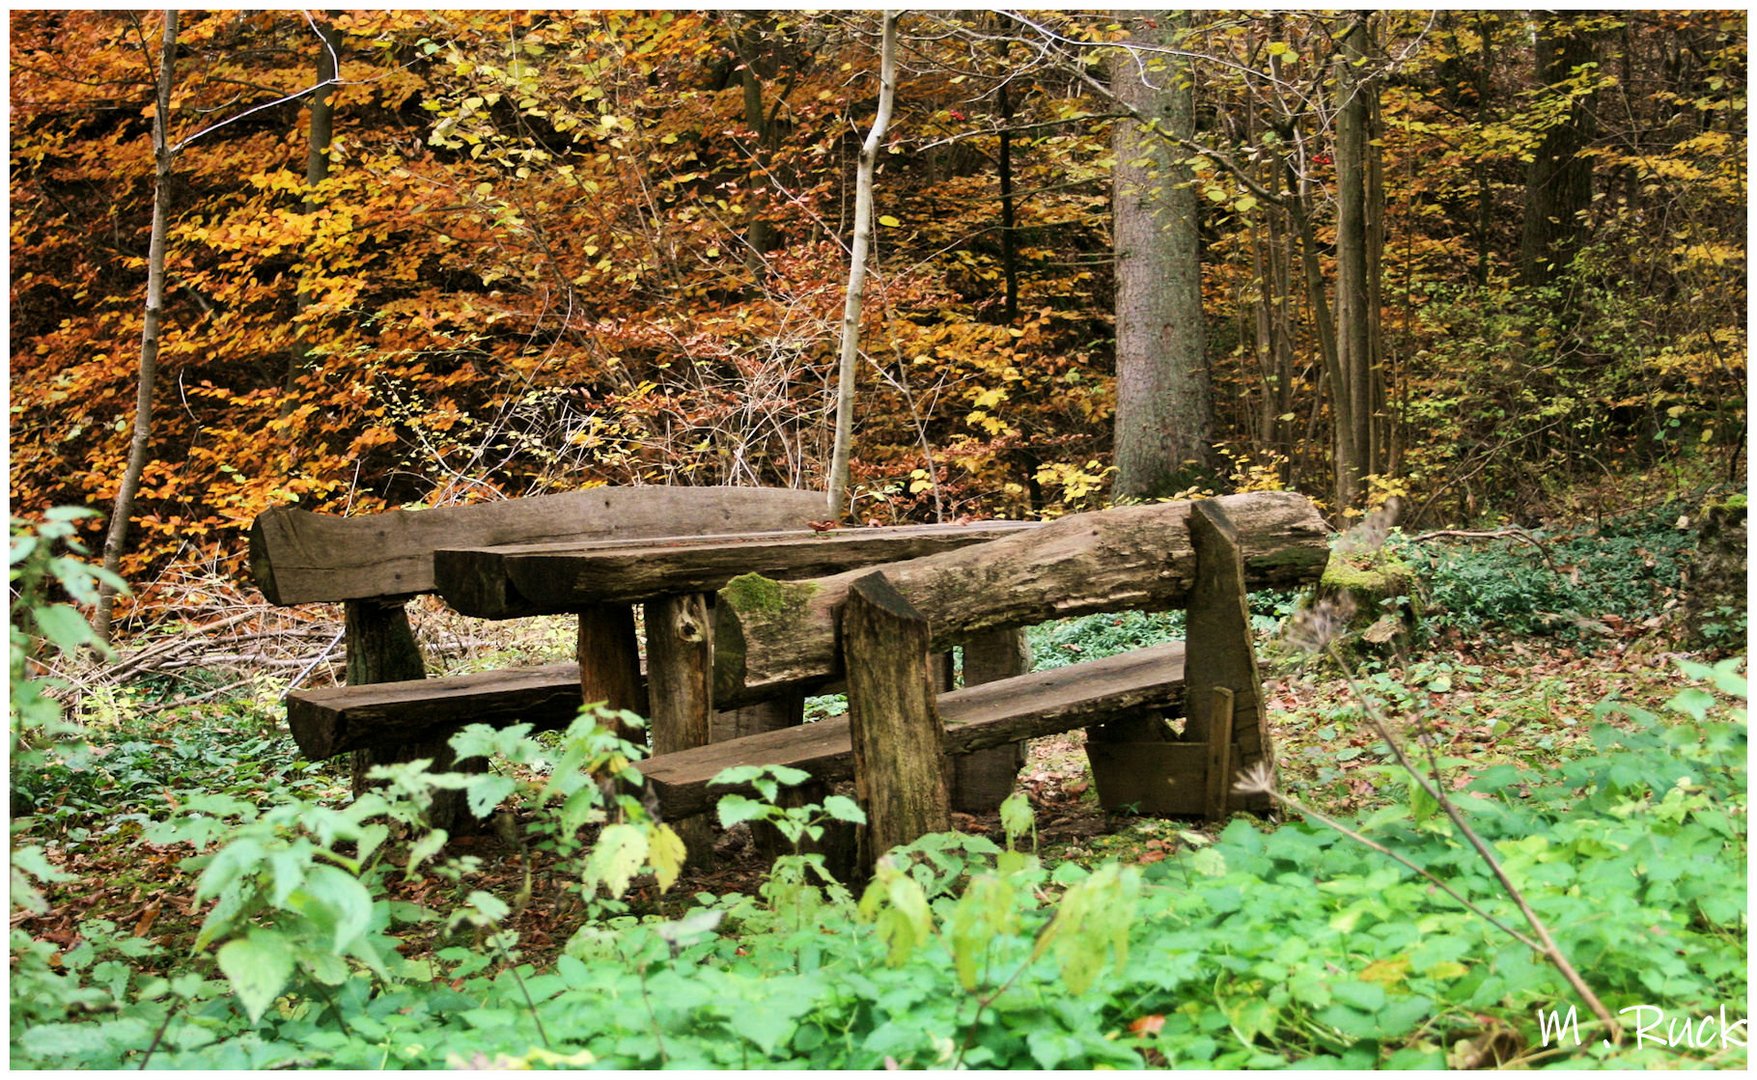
(762, 236)
(316, 172)
(116, 540)
(847, 364)
(1164, 406)
(1356, 314)
(1009, 214)
(1558, 183)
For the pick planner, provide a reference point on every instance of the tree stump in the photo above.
(1716, 614)
(898, 739)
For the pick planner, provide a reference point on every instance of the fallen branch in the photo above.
(1512, 532)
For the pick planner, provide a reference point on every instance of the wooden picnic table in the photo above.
(674, 579)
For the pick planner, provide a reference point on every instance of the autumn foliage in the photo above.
(574, 248)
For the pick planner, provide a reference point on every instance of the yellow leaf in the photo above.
(665, 853)
(888, 221)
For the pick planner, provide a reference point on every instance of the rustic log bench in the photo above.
(593, 554)
(879, 626)
(373, 564)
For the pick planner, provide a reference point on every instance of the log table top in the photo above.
(515, 580)
(674, 578)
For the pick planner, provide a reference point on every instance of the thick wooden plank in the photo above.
(1221, 652)
(1139, 683)
(894, 730)
(533, 579)
(772, 634)
(337, 719)
(680, 667)
(298, 557)
(982, 781)
(1164, 778)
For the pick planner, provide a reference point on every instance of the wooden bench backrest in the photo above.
(300, 557)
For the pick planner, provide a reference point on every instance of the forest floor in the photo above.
(1528, 703)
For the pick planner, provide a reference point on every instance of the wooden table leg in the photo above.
(982, 781)
(680, 681)
(610, 662)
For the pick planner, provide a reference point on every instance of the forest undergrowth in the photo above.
(188, 892)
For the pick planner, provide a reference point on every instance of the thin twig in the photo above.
(1511, 532)
(1438, 794)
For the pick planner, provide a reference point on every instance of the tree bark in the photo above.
(322, 132)
(1558, 183)
(847, 363)
(116, 540)
(1164, 403)
(1356, 314)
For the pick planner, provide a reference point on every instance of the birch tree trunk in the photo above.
(322, 131)
(116, 539)
(837, 492)
(1164, 404)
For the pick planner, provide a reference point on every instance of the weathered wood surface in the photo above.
(772, 635)
(381, 648)
(1139, 683)
(298, 557)
(337, 719)
(893, 727)
(982, 781)
(1165, 778)
(534, 579)
(609, 659)
(680, 667)
(1221, 653)
(1220, 716)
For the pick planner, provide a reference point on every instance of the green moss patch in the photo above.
(757, 594)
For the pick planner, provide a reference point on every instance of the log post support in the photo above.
(895, 728)
(610, 661)
(1219, 763)
(680, 671)
(1220, 654)
(381, 647)
(982, 781)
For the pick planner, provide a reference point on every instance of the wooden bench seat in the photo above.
(332, 720)
(336, 719)
(1139, 685)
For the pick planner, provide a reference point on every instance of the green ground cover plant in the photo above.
(297, 930)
